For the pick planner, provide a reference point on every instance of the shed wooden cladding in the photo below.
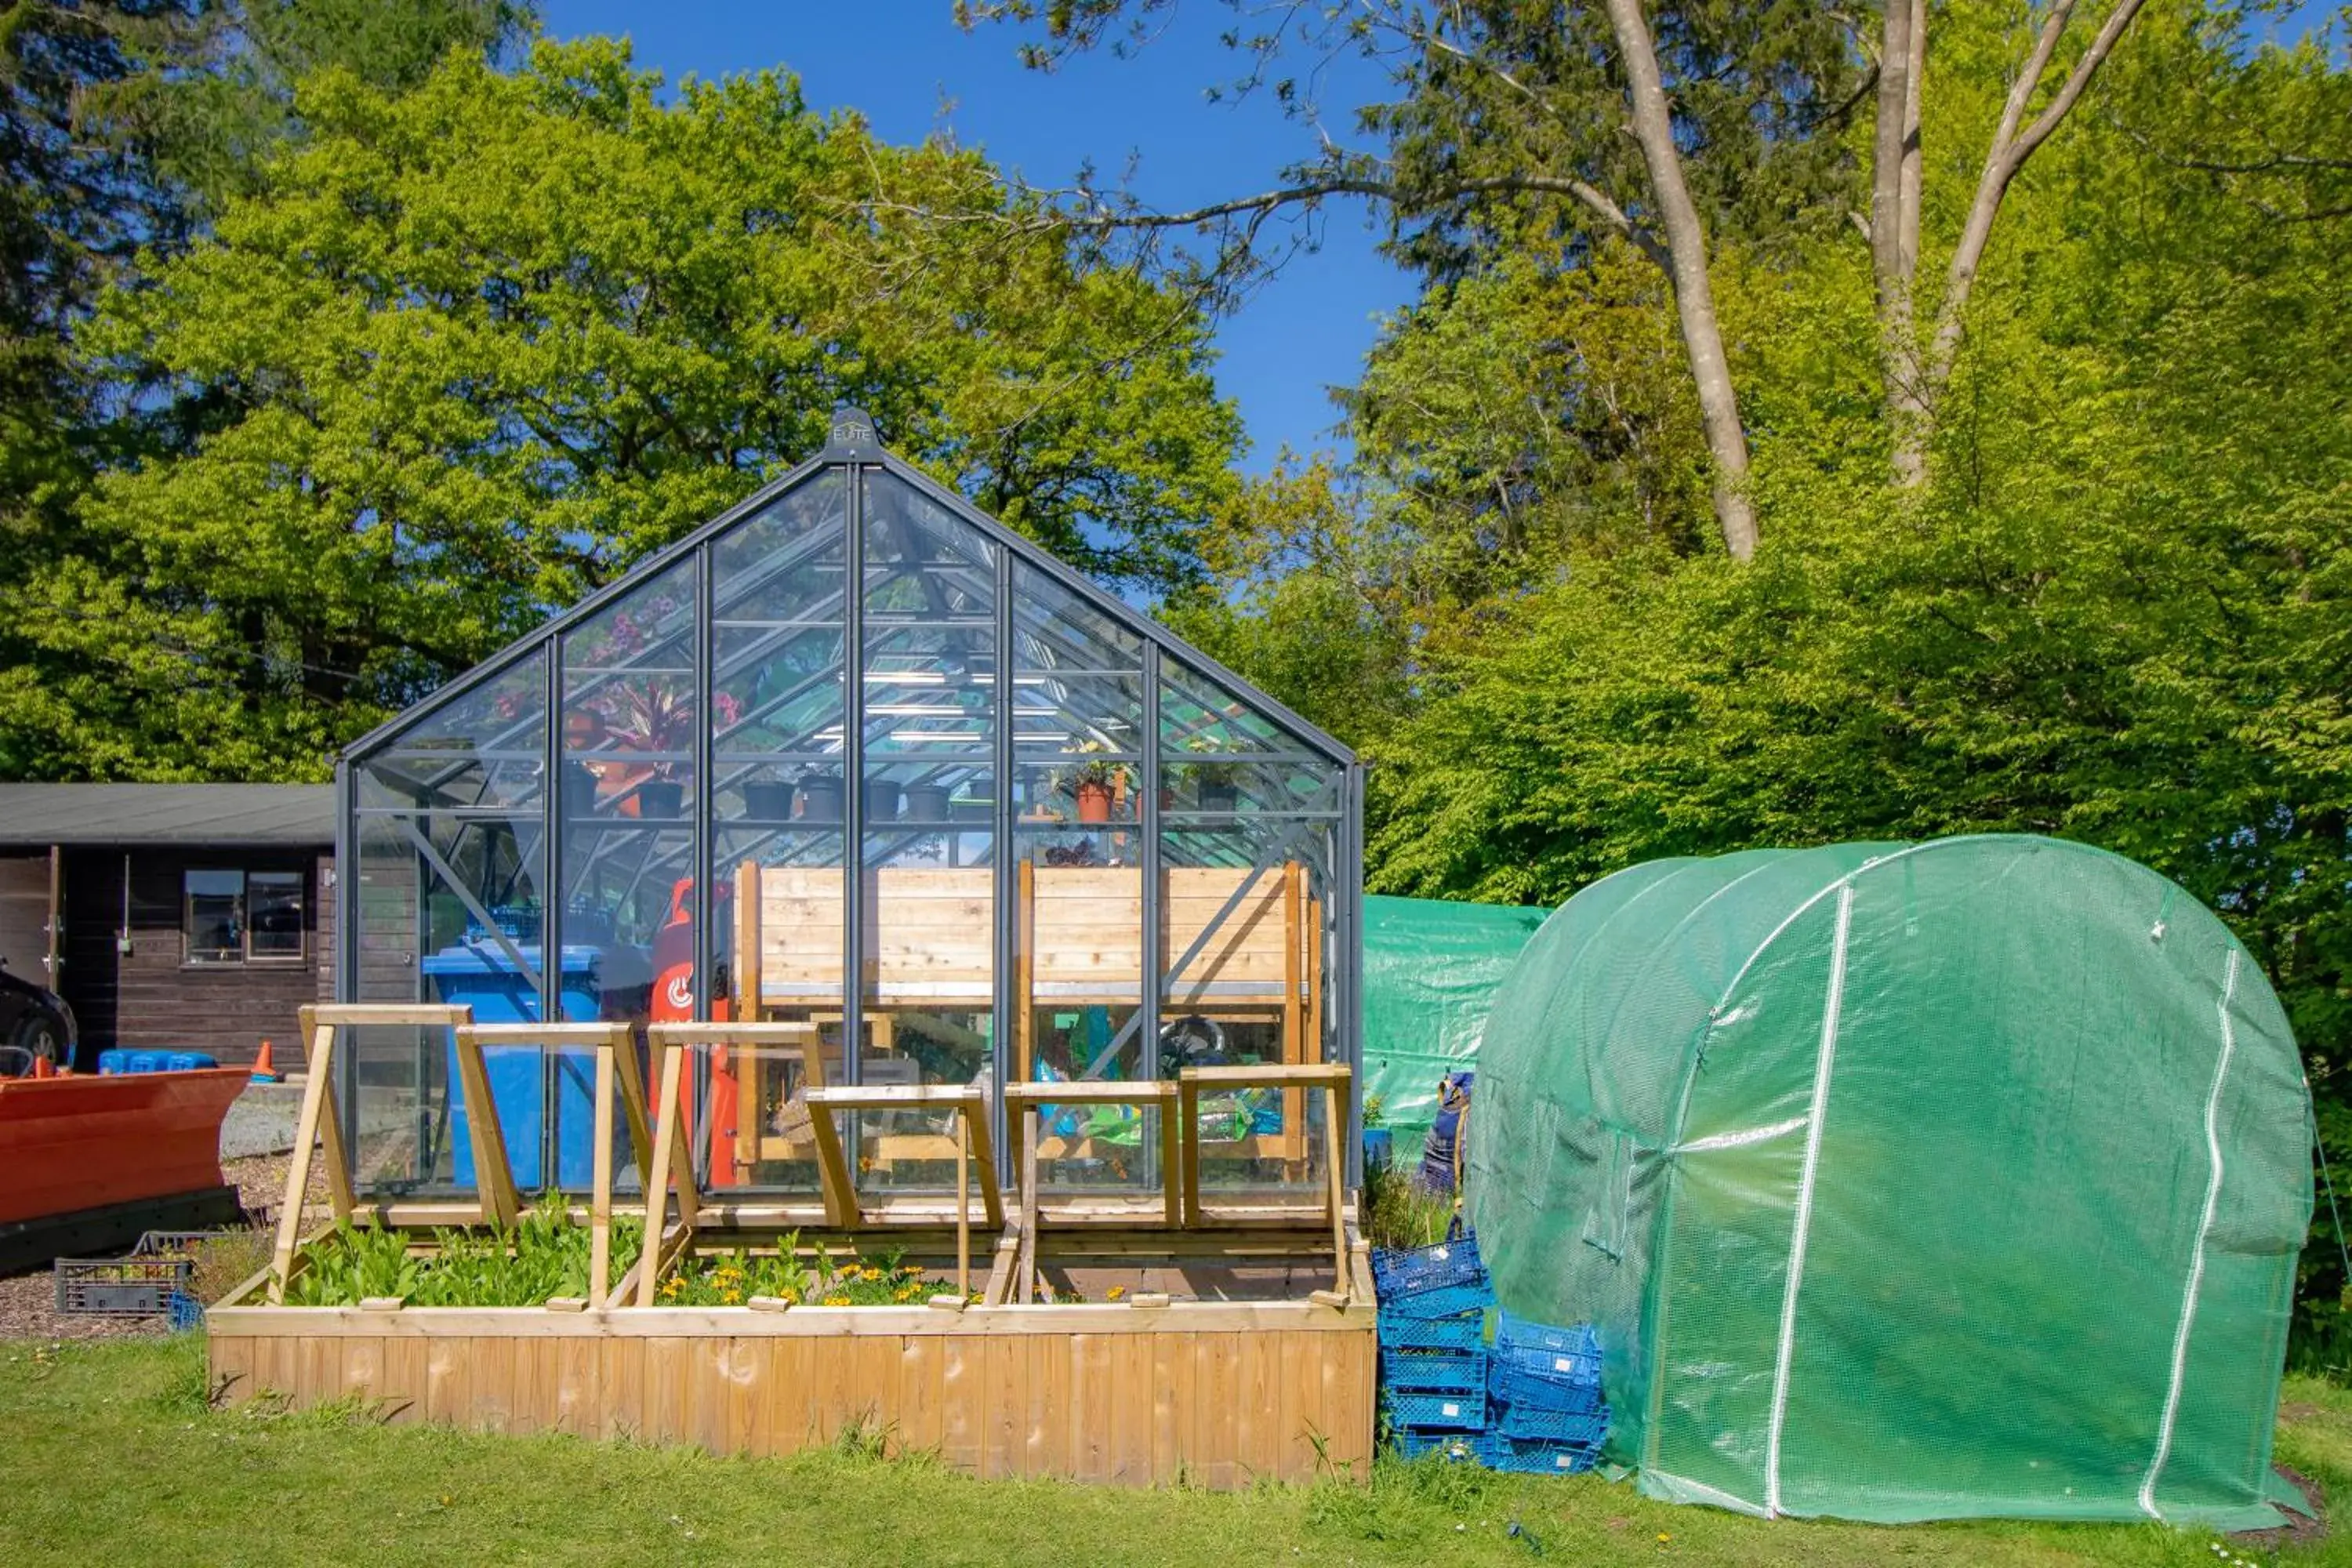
(1121, 1394)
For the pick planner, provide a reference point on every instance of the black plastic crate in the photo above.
(120, 1286)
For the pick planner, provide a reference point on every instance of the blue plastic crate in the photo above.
(1404, 1331)
(1511, 1386)
(1418, 1270)
(1436, 1372)
(183, 1313)
(1534, 1354)
(1458, 1447)
(1437, 1412)
(1536, 1455)
(1448, 1301)
(1586, 1426)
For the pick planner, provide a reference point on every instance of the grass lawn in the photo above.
(111, 1457)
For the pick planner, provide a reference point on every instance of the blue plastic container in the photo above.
(1535, 1456)
(1452, 1446)
(1404, 1331)
(1434, 1372)
(1419, 1271)
(546, 1099)
(1380, 1148)
(110, 1063)
(1438, 1411)
(188, 1061)
(1557, 1426)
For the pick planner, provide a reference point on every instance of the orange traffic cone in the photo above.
(44, 1067)
(265, 1069)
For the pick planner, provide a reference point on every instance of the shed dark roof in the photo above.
(45, 813)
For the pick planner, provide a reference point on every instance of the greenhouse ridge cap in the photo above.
(853, 444)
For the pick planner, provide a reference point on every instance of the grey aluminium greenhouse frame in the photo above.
(531, 756)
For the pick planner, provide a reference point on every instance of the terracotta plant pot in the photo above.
(1094, 802)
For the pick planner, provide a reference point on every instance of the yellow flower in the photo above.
(1114, 1292)
(837, 1300)
(873, 1273)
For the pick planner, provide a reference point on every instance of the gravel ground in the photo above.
(27, 1301)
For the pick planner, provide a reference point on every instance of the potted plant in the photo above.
(1094, 783)
(645, 718)
(927, 803)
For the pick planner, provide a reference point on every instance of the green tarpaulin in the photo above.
(1431, 970)
(1907, 1181)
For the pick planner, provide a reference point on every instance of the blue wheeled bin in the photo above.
(528, 1081)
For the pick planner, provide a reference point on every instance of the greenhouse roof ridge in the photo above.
(852, 441)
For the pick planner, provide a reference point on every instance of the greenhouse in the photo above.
(857, 756)
(1908, 1182)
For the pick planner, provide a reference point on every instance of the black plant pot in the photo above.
(661, 798)
(820, 799)
(579, 790)
(881, 800)
(1220, 796)
(927, 803)
(766, 800)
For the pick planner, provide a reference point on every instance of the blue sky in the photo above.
(909, 68)
(898, 61)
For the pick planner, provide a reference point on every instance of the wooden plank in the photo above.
(578, 1387)
(1188, 1146)
(1004, 1401)
(1171, 1164)
(1130, 1412)
(1268, 1075)
(921, 1420)
(493, 1176)
(1335, 1177)
(1092, 1092)
(891, 1096)
(1094, 1398)
(404, 1375)
(1216, 1436)
(363, 1014)
(317, 1102)
(600, 1192)
(874, 1387)
(991, 1201)
(743, 963)
(788, 1416)
(1024, 1271)
(1052, 1412)
(668, 1140)
(449, 1366)
(1024, 940)
(1294, 1400)
(330, 1140)
(833, 1168)
(962, 1402)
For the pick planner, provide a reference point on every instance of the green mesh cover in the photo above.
(1431, 970)
(1907, 1181)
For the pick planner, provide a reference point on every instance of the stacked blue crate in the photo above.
(1433, 1334)
(1544, 1387)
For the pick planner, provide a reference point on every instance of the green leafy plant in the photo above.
(545, 1255)
(732, 1279)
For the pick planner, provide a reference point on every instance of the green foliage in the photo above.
(546, 1255)
(1399, 1212)
(732, 1279)
(472, 350)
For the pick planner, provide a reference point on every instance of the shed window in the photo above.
(240, 917)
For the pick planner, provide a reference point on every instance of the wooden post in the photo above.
(317, 1099)
(1335, 1175)
(493, 1177)
(743, 973)
(833, 1169)
(1171, 1159)
(319, 1038)
(668, 1139)
(600, 1197)
(1024, 1024)
(983, 1144)
(963, 1203)
(1188, 1144)
(1025, 1272)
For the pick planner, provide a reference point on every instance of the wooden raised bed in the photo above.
(1267, 1373)
(1213, 1394)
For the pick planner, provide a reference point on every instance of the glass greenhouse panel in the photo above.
(778, 581)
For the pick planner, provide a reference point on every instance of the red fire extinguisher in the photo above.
(674, 1003)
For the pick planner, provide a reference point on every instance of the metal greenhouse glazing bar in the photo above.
(857, 759)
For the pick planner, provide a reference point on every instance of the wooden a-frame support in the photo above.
(498, 1202)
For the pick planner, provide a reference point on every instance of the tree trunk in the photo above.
(1894, 233)
(1718, 404)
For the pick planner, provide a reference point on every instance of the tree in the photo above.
(479, 346)
(1521, 100)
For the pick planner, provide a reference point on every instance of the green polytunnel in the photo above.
(1907, 1181)
(1431, 967)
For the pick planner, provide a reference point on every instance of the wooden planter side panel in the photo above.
(1210, 1407)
